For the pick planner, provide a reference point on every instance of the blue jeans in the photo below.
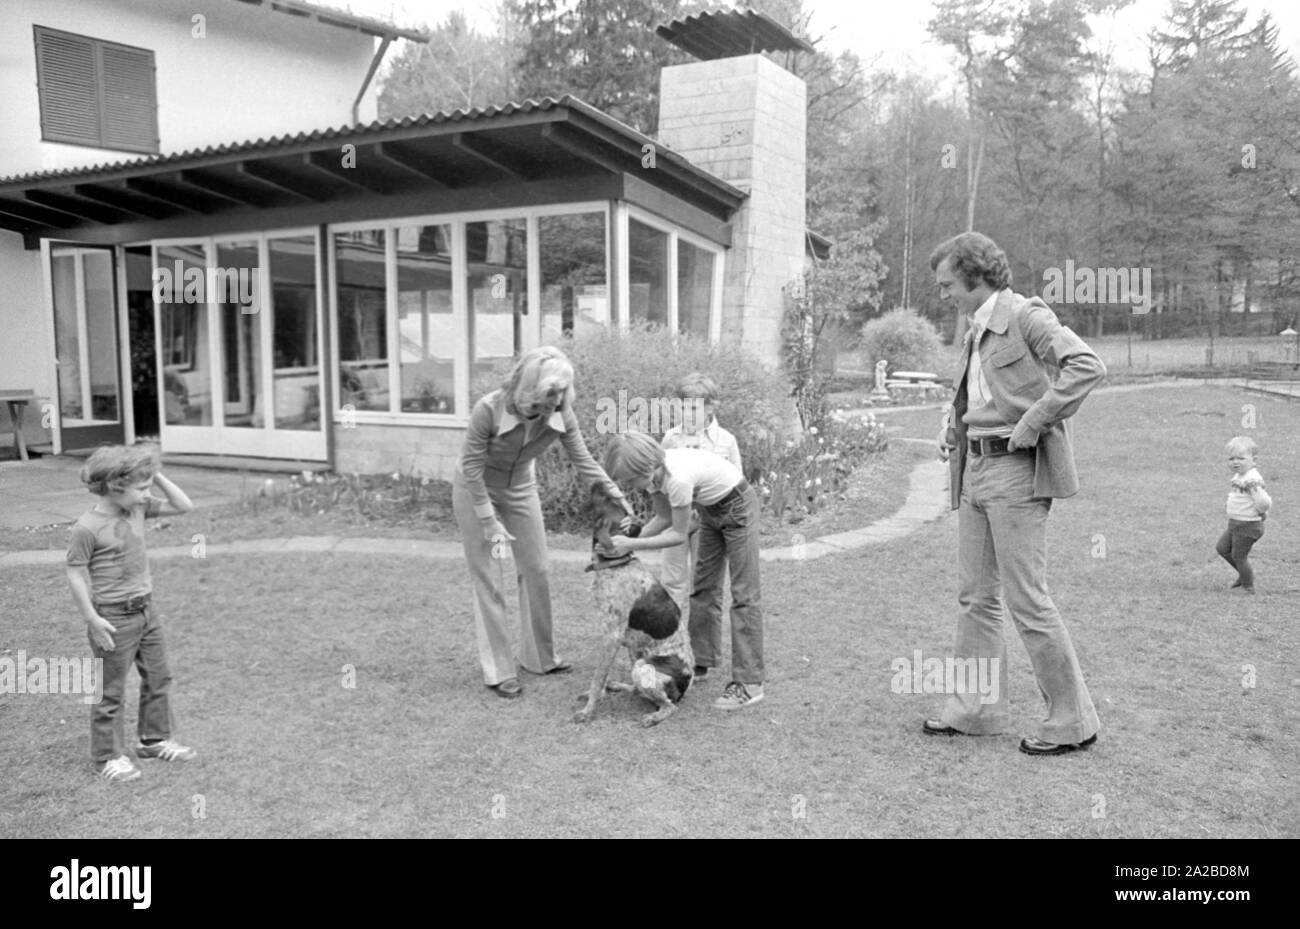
(1002, 559)
(138, 640)
(728, 535)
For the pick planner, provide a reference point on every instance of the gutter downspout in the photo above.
(374, 66)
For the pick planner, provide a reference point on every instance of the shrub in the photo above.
(905, 339)
(647, 362)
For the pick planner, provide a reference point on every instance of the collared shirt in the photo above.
(692, 475)
(982, 421)
(500, 450)
(712, 438)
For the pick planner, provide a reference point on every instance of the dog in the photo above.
(636, 613)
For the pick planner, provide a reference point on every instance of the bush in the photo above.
(647, 362)
(905, 339)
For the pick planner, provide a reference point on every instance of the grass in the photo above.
(420, 748)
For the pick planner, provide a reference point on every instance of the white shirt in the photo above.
(692, 475)
(977, 385)
(712, 438)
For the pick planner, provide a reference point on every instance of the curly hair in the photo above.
(975, 258)
(112, 468)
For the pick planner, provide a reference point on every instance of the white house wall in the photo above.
(26, 336)
(257, 74)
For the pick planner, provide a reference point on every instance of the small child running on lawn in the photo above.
(108, 571)
(1247, 504)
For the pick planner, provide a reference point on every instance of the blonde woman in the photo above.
(494, 495)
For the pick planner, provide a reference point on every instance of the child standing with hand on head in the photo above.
(108, 571)
(1247, 504)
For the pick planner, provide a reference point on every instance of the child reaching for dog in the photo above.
(108, 571)
(678, 480)
(1248, 502)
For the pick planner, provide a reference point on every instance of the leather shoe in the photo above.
(1033, 746)
(562, 667)
(936, 727)
(509, 688)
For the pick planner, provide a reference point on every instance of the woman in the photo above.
(494, 495)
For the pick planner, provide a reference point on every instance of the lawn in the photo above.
(1189, 747)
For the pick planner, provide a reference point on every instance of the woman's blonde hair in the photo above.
(535, 373)
(632, 455)
(113, 468)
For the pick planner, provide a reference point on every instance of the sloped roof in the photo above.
(730, 34)
(332, 16)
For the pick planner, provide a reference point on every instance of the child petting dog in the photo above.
(108, 571)
(679, 479)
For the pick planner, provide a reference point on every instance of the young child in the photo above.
(699, 428)
(108, 571)
(679, 479)
(1247, 504)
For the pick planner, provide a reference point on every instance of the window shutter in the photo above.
(129, 110)
(65, 75)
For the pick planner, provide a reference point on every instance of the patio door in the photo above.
(240, 346)
(87, 351)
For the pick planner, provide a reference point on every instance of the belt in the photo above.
(734, 494)
(992, 447)
(133, 605)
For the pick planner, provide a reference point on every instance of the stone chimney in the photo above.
(743, 118)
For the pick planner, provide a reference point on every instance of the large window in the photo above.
(694, 289)
(95, 93)
(425, 319)
(496, 253)
(575, 288)
(362, 319)
(647, 273)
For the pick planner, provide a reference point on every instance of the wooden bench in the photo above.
(17, 401)
(922, 383)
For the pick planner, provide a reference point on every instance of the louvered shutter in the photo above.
(129, 113)
(65, 74)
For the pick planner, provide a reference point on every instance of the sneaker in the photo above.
(738, 695)
(167, 750)
(119, 769)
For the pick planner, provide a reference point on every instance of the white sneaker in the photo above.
(119, 769)
(167, 750)
(739, 695)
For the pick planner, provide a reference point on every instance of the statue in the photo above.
(880, 393)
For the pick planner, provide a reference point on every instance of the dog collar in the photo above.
(601, 563)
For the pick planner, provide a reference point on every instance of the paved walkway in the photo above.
(927, 499)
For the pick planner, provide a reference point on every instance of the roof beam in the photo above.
(580, 148)
(95, 213)
(327, 163)
(408, 161)
(148, 187)
(490, 155)
(39, 215)
(283, 181)
(124, 200)
(220, 187)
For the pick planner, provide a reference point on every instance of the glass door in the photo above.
(87, 352)
(251, 345)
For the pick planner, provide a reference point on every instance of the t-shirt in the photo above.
(112, 548)
(692, 475)
(1241, 502)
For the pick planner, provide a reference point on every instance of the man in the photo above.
(1022, 375)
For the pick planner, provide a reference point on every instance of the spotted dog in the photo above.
(636, 613)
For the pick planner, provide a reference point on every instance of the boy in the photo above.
(108, 571)
(1248, 502)
(699, 428)
(682, 478)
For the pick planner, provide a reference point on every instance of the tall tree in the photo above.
(458, 69)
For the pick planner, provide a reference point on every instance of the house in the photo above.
(188, 253)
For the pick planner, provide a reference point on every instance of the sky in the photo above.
(894, 30)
